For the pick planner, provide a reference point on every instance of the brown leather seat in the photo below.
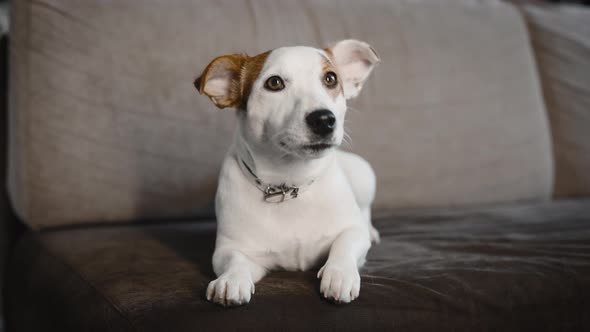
(512, 268)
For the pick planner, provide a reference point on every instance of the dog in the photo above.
(287, 197)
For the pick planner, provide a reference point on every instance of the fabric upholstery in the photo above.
(512, 268)
(106, 125)
(561, 40)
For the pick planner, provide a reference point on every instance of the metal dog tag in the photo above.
(277, 194)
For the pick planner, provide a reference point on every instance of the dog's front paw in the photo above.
(231, 289)
(340, 283)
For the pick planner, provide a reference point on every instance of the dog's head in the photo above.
(292, 100)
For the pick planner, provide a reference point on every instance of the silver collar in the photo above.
(273, 193)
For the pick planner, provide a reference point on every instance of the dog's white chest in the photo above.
(298, 253)
(299, 242)
(292, 235)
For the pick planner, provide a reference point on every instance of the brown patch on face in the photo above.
(238, 73)
(250, 71)
(328, 66)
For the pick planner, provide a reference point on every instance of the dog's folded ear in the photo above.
(355, 60)
(220, 81)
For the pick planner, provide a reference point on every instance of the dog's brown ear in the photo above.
(220, 81)
(355, 60)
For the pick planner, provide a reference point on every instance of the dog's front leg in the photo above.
(236, 277)
(341, 281)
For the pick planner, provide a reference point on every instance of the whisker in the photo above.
(346, 138)
(350, 108)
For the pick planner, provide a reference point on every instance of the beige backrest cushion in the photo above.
(107, 127)
(561, 40)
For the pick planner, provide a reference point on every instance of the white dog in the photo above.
(287, 197)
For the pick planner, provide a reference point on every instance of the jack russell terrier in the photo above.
(287, 198)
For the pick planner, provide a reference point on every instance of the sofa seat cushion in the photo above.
(510, 268)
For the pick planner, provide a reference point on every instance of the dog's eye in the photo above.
(274, 83)
(331, 80)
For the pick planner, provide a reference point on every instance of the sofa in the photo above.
(476, 123)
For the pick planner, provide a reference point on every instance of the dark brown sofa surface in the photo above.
(513, 268)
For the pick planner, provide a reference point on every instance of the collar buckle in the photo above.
(273, 193)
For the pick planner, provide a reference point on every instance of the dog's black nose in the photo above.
(321, 122)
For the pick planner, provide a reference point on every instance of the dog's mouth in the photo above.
(311, 149)
(317, 147)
